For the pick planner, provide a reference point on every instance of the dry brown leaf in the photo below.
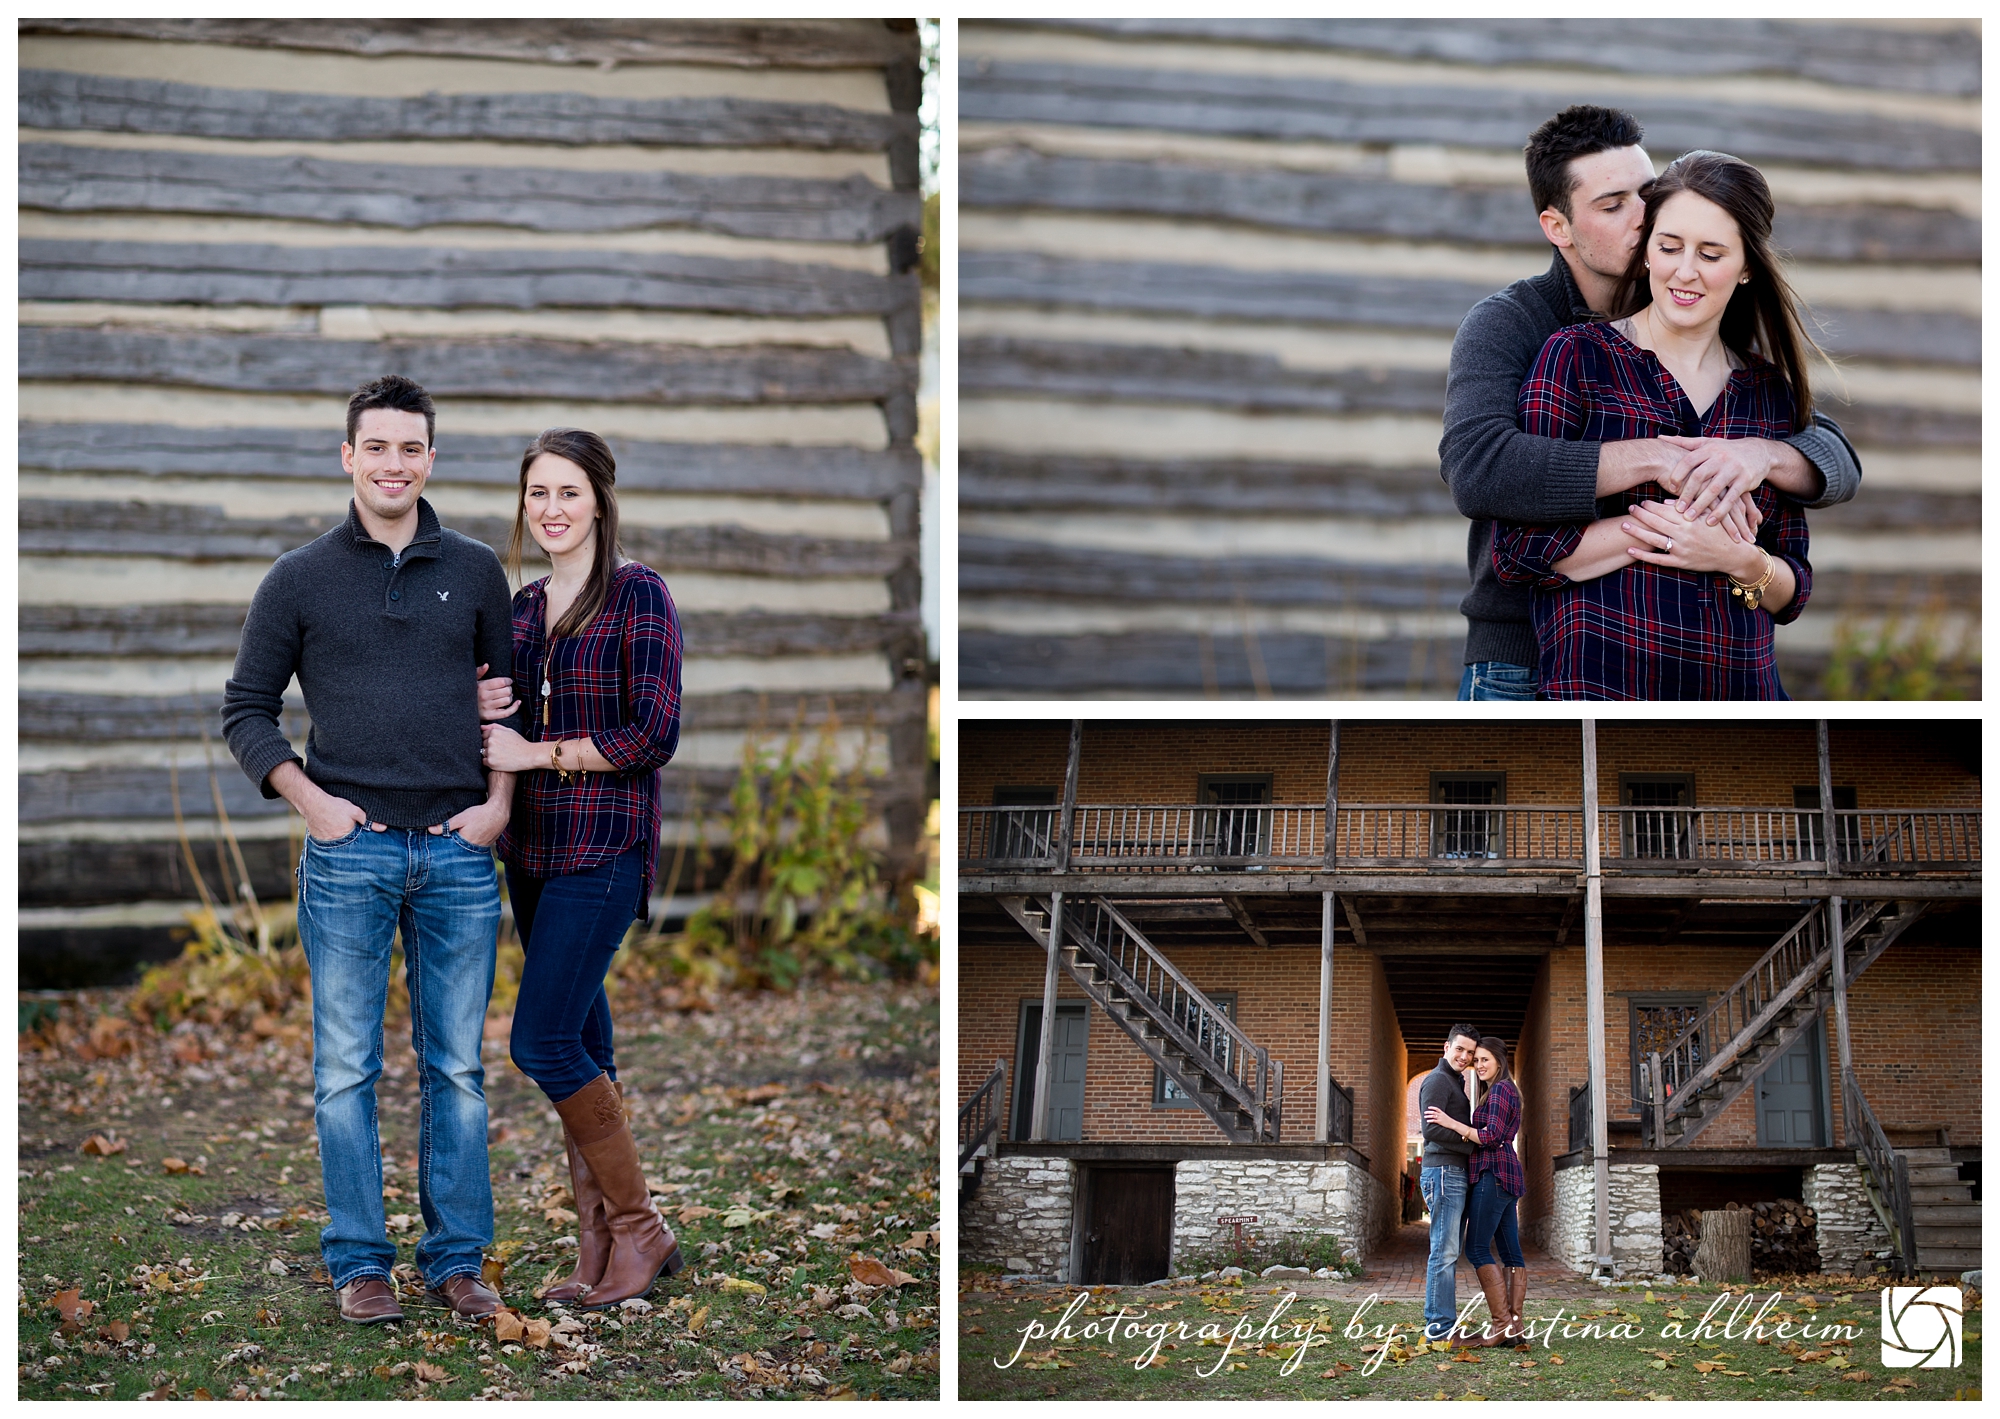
(870, 1272)
(1556, 1360)
(1857, 1376)
(697, 1321)
(433, 1374)
(537, 1333)
(491, 1270)
(98, 1146)
(694, 1212)
(71, 1306)
(507, 1325)
(117, 1332)
(173, 1165)
(558, 1217)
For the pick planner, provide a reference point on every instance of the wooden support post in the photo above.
(1066, 829)
(1593, 988)
(1038, 1126)
(1835, 919)
(1332, 788)
(1323, 1107)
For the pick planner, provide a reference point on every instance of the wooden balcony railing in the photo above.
(1142, 837)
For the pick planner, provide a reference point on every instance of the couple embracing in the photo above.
(1634, 436)
(1472, 1181)
(415, 770)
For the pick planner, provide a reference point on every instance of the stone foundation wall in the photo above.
(1020, 1218)
(1569, 1233)
(1849, 1231)
(1336, 1197)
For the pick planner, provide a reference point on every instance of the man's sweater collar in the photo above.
(430, 532)
(1564, 294)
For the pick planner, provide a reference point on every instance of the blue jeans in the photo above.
(443, 893)
(570, 928)
(1444, 1195)
(1491, 1225)
(1498, 680)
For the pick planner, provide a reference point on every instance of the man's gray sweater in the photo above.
(1499, 473)
(385, 648)
(1443, 1087)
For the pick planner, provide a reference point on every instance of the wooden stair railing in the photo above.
(978, 1125)
(1227, 1075)
(1884, 1173)
(1725, 1048)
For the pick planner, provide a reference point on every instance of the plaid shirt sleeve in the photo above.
(1498, 1119)
(651, 654)
(1783, 534)
(1503, 1118)
(1553, 405)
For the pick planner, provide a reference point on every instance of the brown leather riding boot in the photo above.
(1517, 1298)
(1495, 1287)
(593, 1238)
(642, 1245)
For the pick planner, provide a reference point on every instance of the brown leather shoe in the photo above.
(642, 1245)
(369, 1301)
(593, 1238)
(468, 1296)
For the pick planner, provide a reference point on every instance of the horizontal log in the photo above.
(1228, 379)
(59, 177)
(214, 630)
(1055, 484)
(1003, 482)
(502, 368)
(104, 103)
(1922, 61)
(747, 44)
(126, 793)
(45, 715)
(1150, 665)
(1375, 207)
(166, 450)
(1312, 108)
(232, 273)
(1004, 569)
(82, 528)
(1394, 302)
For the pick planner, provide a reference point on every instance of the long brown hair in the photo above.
(1762, 316)
(1496, 1047)
(593, 455)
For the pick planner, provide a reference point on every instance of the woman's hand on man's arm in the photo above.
(496, 697)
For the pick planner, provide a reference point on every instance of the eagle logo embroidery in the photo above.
(444, 596)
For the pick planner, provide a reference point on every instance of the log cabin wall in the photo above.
(1209, 275)
(696, 238)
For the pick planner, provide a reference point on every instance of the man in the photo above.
(387, 621)
(1585, 169)
(1443, 1178)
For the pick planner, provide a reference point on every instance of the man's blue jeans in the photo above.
(1498, 680)
(444, 894)
(1444, 1195)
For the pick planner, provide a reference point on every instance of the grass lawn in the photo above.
(994, 1321)
(791, 1141)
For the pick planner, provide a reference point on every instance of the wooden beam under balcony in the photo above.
(1769, 885)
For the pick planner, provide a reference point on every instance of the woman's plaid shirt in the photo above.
(1645, 632)
(1498, 1119)
(620, 683)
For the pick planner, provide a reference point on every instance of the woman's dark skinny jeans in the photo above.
(570, 928)
(1489, 1224)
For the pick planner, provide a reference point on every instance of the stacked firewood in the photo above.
(1784, 1238)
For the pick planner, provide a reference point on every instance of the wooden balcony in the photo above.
(1427, 839)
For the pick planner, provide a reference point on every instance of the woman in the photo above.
(1497, 1184)
(1644, 603)
(597, 662)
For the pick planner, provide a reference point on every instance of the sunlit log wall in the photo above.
(1209, 275)
(695, 238)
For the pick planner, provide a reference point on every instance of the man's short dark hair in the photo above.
(393, 391)
(1471, 1032)
(1576, 132)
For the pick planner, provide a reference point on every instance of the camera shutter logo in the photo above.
(1922, 1327)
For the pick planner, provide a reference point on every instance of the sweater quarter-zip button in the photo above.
(395, 596)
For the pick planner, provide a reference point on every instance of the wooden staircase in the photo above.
(1946, 1217)
(979, 1129)
(1231, 1079)
(1724, 1050)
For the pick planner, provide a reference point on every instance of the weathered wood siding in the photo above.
(1209, 274)
(695, 238)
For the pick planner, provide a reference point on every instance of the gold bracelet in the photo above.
(563, 775)
(1753, 594)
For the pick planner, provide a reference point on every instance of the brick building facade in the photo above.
(1198, 855)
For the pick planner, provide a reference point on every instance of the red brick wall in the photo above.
(1913, 1020)
(1277, 1006)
